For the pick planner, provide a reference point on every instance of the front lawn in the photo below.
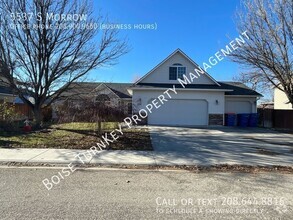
(76, 136)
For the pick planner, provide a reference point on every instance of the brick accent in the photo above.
(216, 119)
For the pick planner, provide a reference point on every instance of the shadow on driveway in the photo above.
(221, 145)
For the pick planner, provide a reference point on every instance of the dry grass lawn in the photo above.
(76, 136)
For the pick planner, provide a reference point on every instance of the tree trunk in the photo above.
(37, 116)
(290, 98)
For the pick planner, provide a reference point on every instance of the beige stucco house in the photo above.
(280, 100)
(203, 101)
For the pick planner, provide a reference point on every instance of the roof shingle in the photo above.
(236, 88)
(81, 89)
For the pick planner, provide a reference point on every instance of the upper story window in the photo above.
(176, 71)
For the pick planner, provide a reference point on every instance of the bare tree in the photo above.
(46, 45)
(268, 52)
(255, 81)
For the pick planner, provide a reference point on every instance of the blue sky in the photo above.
(199, 28)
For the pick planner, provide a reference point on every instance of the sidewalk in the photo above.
(151, 158)
(66, 156)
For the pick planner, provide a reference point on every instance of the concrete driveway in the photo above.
(221, 145)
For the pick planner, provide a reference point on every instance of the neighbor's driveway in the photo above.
(220, 145)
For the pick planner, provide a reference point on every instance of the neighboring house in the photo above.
(266, 105)
(203, 102)
(281, 100)
(113, 94)
(6, 93)
(9, 96)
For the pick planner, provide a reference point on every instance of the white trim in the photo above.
(177, 72)
(194, 63)
(107, 88)
(172, 54)
(248, 96)
(8, 94)
(183, 89)
(98, 86)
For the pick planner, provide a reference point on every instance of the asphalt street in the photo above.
(138, 194)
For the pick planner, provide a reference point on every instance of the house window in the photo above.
(180, 72)
(172, 73)
(176, 71)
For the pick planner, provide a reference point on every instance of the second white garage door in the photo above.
(180, 112)
(238, 107)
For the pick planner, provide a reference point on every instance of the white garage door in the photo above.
(180, 112)
(238, 107)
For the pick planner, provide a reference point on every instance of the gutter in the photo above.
(184, 89)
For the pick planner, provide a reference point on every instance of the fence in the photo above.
(273, 118)
(24, 110)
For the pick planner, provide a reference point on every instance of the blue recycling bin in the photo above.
(253, 119)
(230, 119)
(243, 120)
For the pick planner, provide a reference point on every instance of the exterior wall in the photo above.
(280, 100)
(124, 103)
(3, 79)
(115, 101)
(7, 98)
(215, 100)
(4, 96)
(161, 74)
(237, 108)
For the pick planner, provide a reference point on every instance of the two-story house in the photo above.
(203, 101)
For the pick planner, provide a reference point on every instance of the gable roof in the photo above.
(239, 89)
(78, 90)
(120, 89)
(83, 89)
(172, 54)
(6, 90)
(230, 88)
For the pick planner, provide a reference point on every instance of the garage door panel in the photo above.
(238, 107)
(180, 112)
